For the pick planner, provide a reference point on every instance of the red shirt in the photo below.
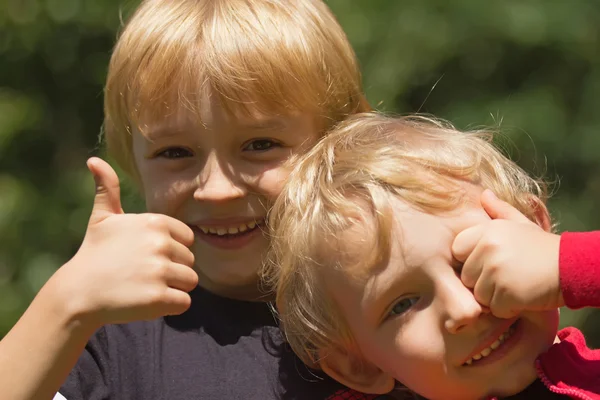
(570, 367)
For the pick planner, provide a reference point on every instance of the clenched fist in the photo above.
(510, 262)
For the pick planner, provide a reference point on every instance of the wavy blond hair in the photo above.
(356, 169)
(257, 56)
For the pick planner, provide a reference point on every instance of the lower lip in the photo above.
(229, 242)
(505, 347)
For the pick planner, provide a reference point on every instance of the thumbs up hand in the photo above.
(510, 262)
(129, 266)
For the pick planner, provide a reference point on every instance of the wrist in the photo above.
(64, 303)
(553, 252)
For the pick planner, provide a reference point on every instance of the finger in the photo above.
(498, 209)
(181, 277)
(484, 290)
(470, 273)
(465, 242)
(175, 302)
(181, 254)
(501, 306)
(108, 194)
(181, 232)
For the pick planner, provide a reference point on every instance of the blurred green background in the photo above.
(531, 67)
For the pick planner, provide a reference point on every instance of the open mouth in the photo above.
(494, 346)
(231, 231)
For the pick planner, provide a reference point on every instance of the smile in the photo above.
(229, 235)
(232, 229)
(496, 344)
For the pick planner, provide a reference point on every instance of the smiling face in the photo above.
(219, 177)
(413, 319)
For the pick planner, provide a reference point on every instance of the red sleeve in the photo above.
(579, 266)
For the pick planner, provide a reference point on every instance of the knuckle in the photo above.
(155, 221)
(491, 241)
(156, 295)
(161, 270)
(161, 244)
(493, 269)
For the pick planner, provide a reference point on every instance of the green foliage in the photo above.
(530, 68)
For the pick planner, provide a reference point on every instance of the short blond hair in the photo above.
(257, 56)
(366, 160)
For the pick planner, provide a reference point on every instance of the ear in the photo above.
(541, 214)
(355, 372)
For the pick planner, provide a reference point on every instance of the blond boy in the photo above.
(370, 237)
(205, 100)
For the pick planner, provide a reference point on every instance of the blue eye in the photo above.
(403, 305)
(261, 145)
(174, 153)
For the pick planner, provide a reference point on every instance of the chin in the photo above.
(231, 278)
(518, 381)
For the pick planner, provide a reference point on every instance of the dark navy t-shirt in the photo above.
(219, 349)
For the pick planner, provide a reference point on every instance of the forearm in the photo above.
(37, 355)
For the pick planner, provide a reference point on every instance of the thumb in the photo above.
(108, 191)
(499, 209)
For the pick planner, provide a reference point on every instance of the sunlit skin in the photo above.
(216, 170)
(413, 318)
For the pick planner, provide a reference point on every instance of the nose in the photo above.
(460, 309)
(216, 184)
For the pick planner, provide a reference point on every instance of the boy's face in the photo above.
(414, 319)
(219, 177)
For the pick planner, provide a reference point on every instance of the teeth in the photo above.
(232, 230)
(487, 351)
(495, 345)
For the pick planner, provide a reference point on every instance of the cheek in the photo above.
(156, 197)
(410, 352)
(163, 194)
(270, 182)
(546, 323)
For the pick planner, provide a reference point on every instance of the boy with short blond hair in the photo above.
(387, 268)
(205, 101)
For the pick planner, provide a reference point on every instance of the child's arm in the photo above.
(129, 267)
(39, 352)
(579, 263)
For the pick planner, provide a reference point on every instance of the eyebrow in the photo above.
(270, 124)
(161, 132)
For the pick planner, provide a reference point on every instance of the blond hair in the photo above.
(257, 56)
(364, 161)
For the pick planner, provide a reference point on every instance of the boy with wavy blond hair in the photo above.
(205, 100)
(394, 262)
